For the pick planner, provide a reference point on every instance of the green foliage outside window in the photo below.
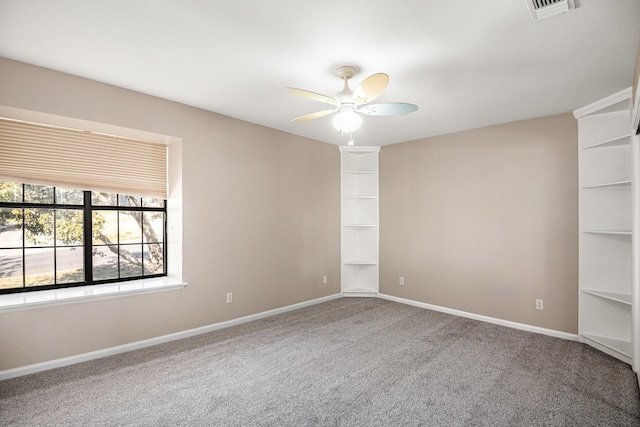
(128, 240)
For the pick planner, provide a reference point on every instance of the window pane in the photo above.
(38, 227)
(124, 200)
(130, 260)
(38, 194)
(38, 266)
(153, 227)
(153, 259)
(148, 202)
(105, 227)
(10, 191)
(104, 199)
(10, 228)
(105, 263)
(69, 265)
(130, 231)
(69, 197)
(69, 227)
(44, 246)
(10, 268)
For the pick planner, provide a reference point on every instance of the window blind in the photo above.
(71, 158)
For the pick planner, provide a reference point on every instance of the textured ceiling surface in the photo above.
(465, 63)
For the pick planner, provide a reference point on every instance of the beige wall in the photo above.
(261, 219)
(485, 221)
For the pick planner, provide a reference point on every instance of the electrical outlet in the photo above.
(229, 297)
(324, 280)
(539, 304)
(401, 280)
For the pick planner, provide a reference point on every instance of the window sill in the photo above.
(53, 297)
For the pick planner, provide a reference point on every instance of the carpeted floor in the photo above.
(347, 362)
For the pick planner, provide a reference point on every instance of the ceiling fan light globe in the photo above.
(347, 121)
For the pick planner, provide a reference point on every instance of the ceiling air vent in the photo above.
(542, 9)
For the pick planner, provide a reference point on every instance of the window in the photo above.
(54, 237)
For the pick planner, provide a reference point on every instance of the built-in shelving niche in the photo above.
(605, 240)
(360, 235)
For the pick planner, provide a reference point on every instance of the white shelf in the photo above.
(360, 236)
(359, 292)
(359, 197)
(621, 298)
(613, 142)
(620, 232)
(359, 262)
(357, 172)
(606, 311)
(610, 185)
(622, 347)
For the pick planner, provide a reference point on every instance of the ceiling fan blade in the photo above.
(314, 96)
(312, 116)
(370, 88)
(388, 109)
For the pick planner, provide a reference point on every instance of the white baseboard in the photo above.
(84, 357)
(501, 322)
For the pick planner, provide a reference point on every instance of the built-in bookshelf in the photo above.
(606, 232)
(359, 204)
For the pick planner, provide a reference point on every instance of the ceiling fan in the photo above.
(350, 104)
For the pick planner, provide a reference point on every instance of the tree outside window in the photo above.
(43, 237)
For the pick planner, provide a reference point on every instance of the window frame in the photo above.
(87, 208)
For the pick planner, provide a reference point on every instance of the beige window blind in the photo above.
(70, 158)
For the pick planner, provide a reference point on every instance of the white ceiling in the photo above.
(466, 63)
